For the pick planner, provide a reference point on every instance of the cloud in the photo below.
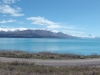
(42, 21)
(6, 9)
(7, 21)
(53, 26)
(55, 31)
(56, 27)
(12, 29)
(9, 1)
(73, 32)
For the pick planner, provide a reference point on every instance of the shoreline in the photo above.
(44, 55)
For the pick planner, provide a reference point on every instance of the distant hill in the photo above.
(33, 34)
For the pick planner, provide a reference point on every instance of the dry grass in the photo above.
(24, 68)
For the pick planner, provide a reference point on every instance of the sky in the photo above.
(73, 17)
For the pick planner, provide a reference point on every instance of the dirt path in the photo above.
(75, 62)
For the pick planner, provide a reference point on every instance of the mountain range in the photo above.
(33, 34)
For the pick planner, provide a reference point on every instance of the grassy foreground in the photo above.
(24, 68)
(44, 55)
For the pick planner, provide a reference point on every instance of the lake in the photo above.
(76, 46)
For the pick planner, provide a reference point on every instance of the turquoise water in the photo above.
(76, 46)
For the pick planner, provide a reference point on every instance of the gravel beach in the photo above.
(72, 62)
